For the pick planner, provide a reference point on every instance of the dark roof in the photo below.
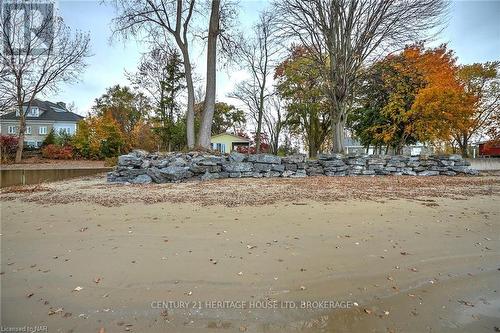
(48, 113)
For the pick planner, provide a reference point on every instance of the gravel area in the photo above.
(253, 192)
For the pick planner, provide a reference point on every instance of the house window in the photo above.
(11, 130)
(28, 129)
(42, 130)
(34, 112)
(65, 130)
(221, 147)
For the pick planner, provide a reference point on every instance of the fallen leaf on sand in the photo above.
(97, 280)
(367, 311)
(30, 294)
(302, 288)
(52, 311)
(466, 303)
(83, 229)
(78, 288)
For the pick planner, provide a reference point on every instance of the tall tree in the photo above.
(275, 120)
(161, 77)
(227, 118)
(483, 82)
(385, 116)
(211, 79)
(345, 34)
(160, 21)
(301, 85)
(38, 53)
(257, 54)
(409, 97)
(123, 105)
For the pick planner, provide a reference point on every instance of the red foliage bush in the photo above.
(8, 146)
(264, 148)
(57, 152)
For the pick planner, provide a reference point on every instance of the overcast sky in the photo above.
(473, 31)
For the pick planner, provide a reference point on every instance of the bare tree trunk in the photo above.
(259, 125)
(22, 130)
(209, 107)
(463, 147)
(190, 90)
(338, 123)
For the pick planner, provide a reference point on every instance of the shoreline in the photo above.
(373, 253)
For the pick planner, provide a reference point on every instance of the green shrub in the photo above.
(50, 139)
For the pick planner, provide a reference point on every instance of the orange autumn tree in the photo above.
(443, 104)
(412, 96)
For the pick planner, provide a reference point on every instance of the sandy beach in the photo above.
(354, 254)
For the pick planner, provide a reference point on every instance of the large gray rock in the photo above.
(272, 174)
(156, 175)
(297, 158)
(212, 160)
(199, 169)
(301, 173)
(428, 173)
(142, 179)
(139, 153)
(278, 167)
(287, 173)
(264, 158)
(356, 161)
(175, 173)
(331, 163)
(131, 173)
(209, 176)
(236, 157)
(262, 167)
(178, 162)
(376, 161)
(129, 160)
(396, 164)
(327, 157)
(464, 169)
(238, 167)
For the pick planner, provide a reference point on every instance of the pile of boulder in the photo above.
(141, 167)
(341, 165)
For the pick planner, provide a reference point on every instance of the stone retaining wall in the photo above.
(141, 167)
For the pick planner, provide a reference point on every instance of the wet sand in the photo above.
(427, 263)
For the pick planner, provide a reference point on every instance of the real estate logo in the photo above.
(27, 27)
